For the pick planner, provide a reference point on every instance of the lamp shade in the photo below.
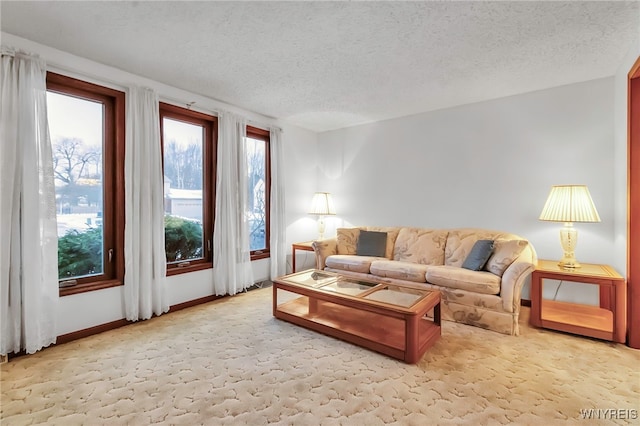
(322, 204)
(569, 203)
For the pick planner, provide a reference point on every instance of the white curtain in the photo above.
(145, 288)
(28, 229)
(232, 271)
(277, 213)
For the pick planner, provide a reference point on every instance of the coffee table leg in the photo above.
(436, 314)
(411, 338)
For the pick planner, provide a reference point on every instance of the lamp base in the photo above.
(569, 264)
(321, 227)
(569, 240)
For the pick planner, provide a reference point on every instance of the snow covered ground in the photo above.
(78, 221)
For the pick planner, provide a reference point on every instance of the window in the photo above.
(258, 190)
(86, 126)
(189, 147)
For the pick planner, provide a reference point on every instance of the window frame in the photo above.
(210, 144)
(113, 187)
(264, 135)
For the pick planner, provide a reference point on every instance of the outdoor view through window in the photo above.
(256, 214)
(183, 183)
(77, 130)
(75, 127)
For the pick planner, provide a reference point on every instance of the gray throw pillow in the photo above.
(479, 254)
(372, 243)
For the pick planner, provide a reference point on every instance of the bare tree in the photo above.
(70, 159)
(256, 172)
(256, 193)
(183, 165)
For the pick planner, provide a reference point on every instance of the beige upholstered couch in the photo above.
(489, 298)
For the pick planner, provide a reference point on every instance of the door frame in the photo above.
(633, 206)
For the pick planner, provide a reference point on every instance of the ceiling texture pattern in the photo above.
(328, 65)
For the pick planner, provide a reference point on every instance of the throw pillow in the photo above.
(392, 234)
(372, 243)
(347, 240)
(504, 253)
(478, 255)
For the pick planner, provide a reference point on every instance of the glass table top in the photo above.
(311, 278)
(348, 286)
(367, 290)
(395, 295)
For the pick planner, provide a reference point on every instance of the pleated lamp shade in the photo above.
(322, 204)
(569, 203)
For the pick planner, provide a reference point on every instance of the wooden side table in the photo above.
(304, 246)
(607, 321)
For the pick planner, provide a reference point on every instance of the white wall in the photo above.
(488, 165)
(77, 312)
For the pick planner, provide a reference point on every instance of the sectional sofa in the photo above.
(487, 298)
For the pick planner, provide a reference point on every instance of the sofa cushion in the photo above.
(418, 245)
(504, 253)
(347, 240)
(372, 243)
(460, 242)
(464, 279)
(399, 270)
(480, 253)
(348, 262)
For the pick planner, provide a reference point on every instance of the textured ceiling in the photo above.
(327, 65)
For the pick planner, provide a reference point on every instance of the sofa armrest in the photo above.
(324, 249)
(514, 278)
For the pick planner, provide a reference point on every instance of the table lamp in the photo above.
(321, 206)
(568, 204)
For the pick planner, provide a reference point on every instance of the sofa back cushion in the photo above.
(348, 239)
(420, 245)
(507, 248)
(504, 253)
(461, 241)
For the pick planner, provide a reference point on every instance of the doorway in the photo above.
(633, 188)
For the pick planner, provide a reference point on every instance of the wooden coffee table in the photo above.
(387, 318)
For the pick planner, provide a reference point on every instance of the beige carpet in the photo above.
(231, 362)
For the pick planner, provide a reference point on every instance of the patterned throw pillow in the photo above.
(347, 240)
(504, 253)
(420, 245)
(479, 255)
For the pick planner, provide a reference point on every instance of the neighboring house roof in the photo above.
(189, 194)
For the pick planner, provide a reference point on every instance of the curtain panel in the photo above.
(232, 272)
(145, 287)
(277, 213)
(29, 250)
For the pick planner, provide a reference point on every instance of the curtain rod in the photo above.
(188, 105)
